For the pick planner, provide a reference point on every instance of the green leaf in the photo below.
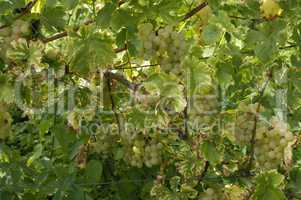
(267, 185)
(92, 52)
(294, 184)
(265, 51)
(70, 4)
(271, 194)
(21, 52)
(7, 92)
(44, 127)
(224, 73)
(124, 18)
(271, 177)
(104, 16)
(77, 194)
(93, 171)
(297, 150)
(211, 34)
(37, 153)
(54, 17)
(64, 137)
(121, 37)
(210, 152)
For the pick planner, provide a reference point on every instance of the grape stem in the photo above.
(205, 170)
(186, 118)
(134, 67)
(261, 93)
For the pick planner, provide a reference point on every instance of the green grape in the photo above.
(166, 48)
(271, 143)
(104, 141)
(139, 152)
(245, 123)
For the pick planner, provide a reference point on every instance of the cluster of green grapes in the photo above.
(244, 123)
(105, 139)
(141, 153)
(166, 46)
(18, 29)
(271, 143)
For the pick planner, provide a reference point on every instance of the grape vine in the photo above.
(150, 99)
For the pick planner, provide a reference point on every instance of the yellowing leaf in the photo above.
(270, 9)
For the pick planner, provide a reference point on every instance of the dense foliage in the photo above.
(150, 99)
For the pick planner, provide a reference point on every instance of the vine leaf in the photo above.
(104, 16)
(93, 171)
(92, 52)
(267, 186)
(210, 153)
(211, 34)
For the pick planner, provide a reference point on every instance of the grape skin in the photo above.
(270, 145)
(167, 47)
(141, 153)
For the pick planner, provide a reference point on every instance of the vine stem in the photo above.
(186, 120)
(254, 130)
(109, 79)
(195, 10)
(120, 78)
(204, 172)
(119, 67)
(54, 118)
(63, 34)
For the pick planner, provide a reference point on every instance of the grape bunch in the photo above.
(271, 143)
(166, 46)
(152, 154)
(106, 138)
(141, 152)
(244, 123)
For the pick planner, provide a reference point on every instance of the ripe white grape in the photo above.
(269, 149)
(141, 152)
(244, 124)
(167, 47)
